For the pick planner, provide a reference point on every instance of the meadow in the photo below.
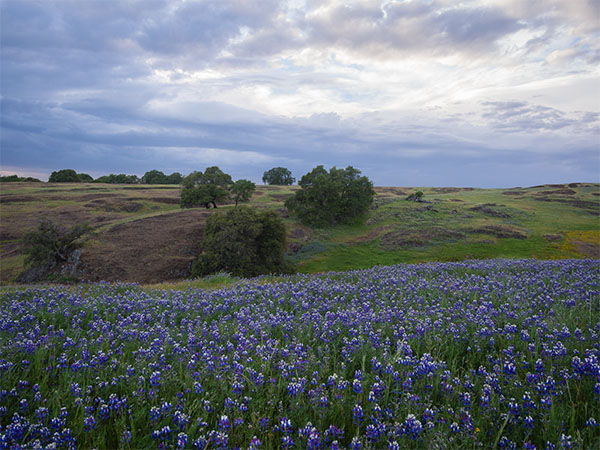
(475, 354)
(542, 222)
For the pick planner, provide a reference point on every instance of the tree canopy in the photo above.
(65, 176)
(120, 178)
(158, 177)
(278, 176)
(330, 198)
(206, 188)
(17, 178)
(242, 190)
(243, 242)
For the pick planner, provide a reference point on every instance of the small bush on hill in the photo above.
(415, 197)
(331, 198)
(51, 243)
(243, 242)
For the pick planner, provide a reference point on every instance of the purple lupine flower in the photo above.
(89, 423)
(357, 414)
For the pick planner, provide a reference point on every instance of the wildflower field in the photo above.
(485, 354)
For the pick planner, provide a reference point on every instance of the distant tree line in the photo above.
(16, 178)
(150, 177)
(277, 176)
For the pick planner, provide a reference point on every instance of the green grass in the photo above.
(395, 231)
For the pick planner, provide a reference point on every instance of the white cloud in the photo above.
(303, 82)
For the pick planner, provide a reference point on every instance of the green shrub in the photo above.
(242, 242)
(331, 198)
(52, 243)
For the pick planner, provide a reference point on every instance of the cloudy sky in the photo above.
(485, 93)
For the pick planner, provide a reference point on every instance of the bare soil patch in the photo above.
(548, 185)
(17, 199)
(417, 238)
(147, 250)
(590, 206)
(115, 206)
(588, 249)
(391, 191)
(281, 197)
(450, 190)
(552, 237)
(489, 210)
(500, 231)
(557, 192)
(373, 234)
(515, 193)
(151, 187)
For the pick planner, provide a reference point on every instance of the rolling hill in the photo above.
(141, 233)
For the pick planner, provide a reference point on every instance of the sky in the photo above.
(482, 93)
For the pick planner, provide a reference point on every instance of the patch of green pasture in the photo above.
(346, 257)
(11, 266)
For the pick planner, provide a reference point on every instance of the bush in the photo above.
(331, 198)
(415, 197)
(51, 243)
(242, 242)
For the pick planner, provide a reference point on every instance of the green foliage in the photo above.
(16, 178)
(118, 179)
(154, 177)
(158, 177)
(206, 188)
(278, 176)
(174, 178)
(64, 176)
(242, 190)
(415, 197)
(85, 178)
(243, 242)
(51, 242)
(331, 198)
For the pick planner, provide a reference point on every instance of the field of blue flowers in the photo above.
(487, 354)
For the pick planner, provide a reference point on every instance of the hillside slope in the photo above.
(142, 234)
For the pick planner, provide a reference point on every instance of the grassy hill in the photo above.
(143, 235)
